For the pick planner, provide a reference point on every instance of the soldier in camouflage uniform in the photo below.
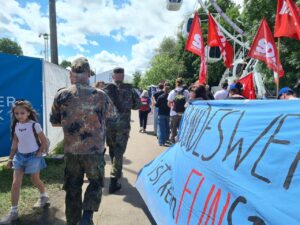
(82, 112)
(117, 132)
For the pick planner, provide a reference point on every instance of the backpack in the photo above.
(179, 101)
(38, 140)
(144, 106)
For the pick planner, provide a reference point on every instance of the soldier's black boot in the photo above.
(114, 185)
(87, 218)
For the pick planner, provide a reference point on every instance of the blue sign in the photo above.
(236, 163)
(20, 78)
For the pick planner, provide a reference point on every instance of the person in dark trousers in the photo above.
(125, 98)
(163, 117)
(176, 101)
(154, 108)
(82, 112)
(144, 110)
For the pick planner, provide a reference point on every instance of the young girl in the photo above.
(28, 145)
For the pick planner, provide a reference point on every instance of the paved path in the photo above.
(126, 207)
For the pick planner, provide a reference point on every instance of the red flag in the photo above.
(194, 42)
(287, 21)
(263, 48)
(248, 86)
(216, 38)
(195, 45)
(203, 70)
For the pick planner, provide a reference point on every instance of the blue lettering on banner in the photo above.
(236, 162)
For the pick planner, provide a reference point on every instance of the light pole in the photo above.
(46, 38)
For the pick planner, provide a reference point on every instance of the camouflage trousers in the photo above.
(117, 140)
(92, 165)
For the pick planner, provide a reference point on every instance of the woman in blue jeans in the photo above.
(163, 117)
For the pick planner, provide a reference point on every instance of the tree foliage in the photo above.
(65, 64)
(137, 76)
(10, 47)
(171, 59)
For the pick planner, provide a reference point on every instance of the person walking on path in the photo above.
(176, 101)
(144, 110)
(154, 108)
(163, 117)
(125, 98)
(26, 156)
(82, 112)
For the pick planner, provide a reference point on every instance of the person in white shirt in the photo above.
(28, 145)
(176, 101)
(222, 94)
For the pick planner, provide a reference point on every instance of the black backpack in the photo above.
(179, 101)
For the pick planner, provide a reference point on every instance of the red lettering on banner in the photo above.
(224, 209)
(214, 207)
(188, 191)
(194, 199)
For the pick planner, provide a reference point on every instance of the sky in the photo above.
(109, 33)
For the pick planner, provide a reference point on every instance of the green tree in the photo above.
(137, 77)
(162, 67)
(168, 47)
(65, 64)
(10, 47)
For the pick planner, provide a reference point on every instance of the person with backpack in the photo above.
(176, 101)
(26, 156)
(144, 110)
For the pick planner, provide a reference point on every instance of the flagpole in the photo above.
(277, 83)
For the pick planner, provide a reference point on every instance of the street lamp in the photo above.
(46, 38)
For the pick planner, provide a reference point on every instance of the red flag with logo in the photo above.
(287, 23)
(195, 45)
(248, 86)
(194, 42)
(263, 48)
(216, 38)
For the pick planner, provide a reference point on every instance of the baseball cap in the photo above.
(285, 90)
(80, 65)
(234, 86)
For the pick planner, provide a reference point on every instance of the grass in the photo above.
(52, 176)
(59, 148)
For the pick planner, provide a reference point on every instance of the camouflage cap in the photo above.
(80, 65)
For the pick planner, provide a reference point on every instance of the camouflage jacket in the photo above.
(82, 111)
(125, 98)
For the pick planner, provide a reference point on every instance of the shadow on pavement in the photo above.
(150, 133)
(131, 195)
(44, 217)
(108, 162)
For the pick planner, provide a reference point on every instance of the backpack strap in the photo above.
(36, 135)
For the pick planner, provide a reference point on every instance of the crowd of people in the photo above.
(168, 105)
(89, 117)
